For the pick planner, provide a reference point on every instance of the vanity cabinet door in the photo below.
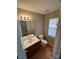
(32, 50)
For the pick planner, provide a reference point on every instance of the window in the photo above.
(53, 22)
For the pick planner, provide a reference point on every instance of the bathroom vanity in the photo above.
(31, 44)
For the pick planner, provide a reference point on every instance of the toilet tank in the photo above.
(41, 36)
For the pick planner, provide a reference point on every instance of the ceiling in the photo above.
(38, 6)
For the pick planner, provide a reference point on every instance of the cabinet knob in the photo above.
(26, 50)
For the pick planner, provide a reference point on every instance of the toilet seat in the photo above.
(44, 41)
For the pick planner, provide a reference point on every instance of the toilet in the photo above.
(44, 42)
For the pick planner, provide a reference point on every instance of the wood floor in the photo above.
(44, 53)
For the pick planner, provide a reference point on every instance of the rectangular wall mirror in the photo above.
(24, 28)
(27, 27)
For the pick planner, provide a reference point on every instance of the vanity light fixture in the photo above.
(26, 18)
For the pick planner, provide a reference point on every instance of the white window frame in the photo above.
(54, 34)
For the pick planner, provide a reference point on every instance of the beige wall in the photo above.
(46, 21)
(37, 19)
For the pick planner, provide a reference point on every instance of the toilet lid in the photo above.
(44, 41)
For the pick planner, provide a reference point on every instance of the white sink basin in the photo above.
(29, 40)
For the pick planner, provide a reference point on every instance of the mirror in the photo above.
(27, 27)
(24, 28)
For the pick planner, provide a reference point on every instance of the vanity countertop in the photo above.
(29, 40)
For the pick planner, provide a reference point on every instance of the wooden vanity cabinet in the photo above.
(30, 51)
